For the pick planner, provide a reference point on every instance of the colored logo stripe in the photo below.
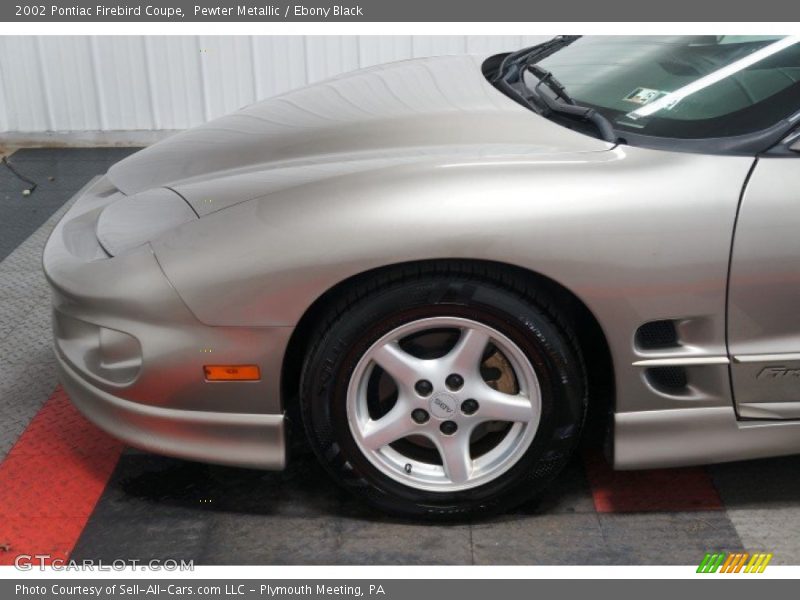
(758, 563)
(734, 562)
(737, 561)
(711, 562)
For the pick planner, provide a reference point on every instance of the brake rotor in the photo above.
(499, 373)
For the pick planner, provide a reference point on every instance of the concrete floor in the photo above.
(156, 507)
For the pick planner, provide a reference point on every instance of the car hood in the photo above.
(415, 107)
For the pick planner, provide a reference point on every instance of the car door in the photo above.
(764, 291)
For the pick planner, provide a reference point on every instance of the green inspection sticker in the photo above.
(644, 96)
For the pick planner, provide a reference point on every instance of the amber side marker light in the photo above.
(232, 372)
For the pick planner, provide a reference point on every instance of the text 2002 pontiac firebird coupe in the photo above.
(441, 266)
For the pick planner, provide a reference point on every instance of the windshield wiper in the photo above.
(509, 78)
(510, 71)
(564, 104)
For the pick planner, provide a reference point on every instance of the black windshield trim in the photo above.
(750, 144)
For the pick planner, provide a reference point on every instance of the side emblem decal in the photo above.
(778, 372)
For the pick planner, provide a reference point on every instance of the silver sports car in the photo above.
(446, 268)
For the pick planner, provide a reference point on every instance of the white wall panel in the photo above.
(65, 62)
(4, 125)
(123, 83)
(483, 44)
(327, 56)
(438, 45)
(23, 87)
(279, 65)
(375, 50)
(178, 90)
(152, 83)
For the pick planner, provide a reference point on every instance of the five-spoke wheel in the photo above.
(447, 402)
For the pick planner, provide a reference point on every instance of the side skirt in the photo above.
(695, 436)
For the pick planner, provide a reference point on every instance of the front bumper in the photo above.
(245, 440)
(131, 353)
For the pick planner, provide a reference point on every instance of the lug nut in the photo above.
(423, 387)
(469, 406)
(454, 381)
(419, 415)
(448, 427)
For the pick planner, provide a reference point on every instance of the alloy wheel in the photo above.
(443, 404)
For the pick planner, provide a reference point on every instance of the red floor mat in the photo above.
(664, 490)
(51, 481)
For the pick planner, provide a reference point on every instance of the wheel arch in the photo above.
(587, 329)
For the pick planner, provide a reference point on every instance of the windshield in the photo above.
(687, 87)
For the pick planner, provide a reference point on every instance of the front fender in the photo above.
(636, 234)
(621, 229)
(263, 260)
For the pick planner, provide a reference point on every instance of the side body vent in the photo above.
(683, 358)
(656, 334)
(668, 380)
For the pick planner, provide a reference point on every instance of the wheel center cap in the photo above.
(443, 406)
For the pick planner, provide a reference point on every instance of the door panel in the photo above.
(764, 293)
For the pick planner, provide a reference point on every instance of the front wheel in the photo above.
(443, 395)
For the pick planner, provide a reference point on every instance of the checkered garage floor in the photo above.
(66, 489)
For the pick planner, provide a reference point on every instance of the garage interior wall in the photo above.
(163, 83)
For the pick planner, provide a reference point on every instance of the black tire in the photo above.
(371, 308)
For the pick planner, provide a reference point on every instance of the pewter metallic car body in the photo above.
(225, 235)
